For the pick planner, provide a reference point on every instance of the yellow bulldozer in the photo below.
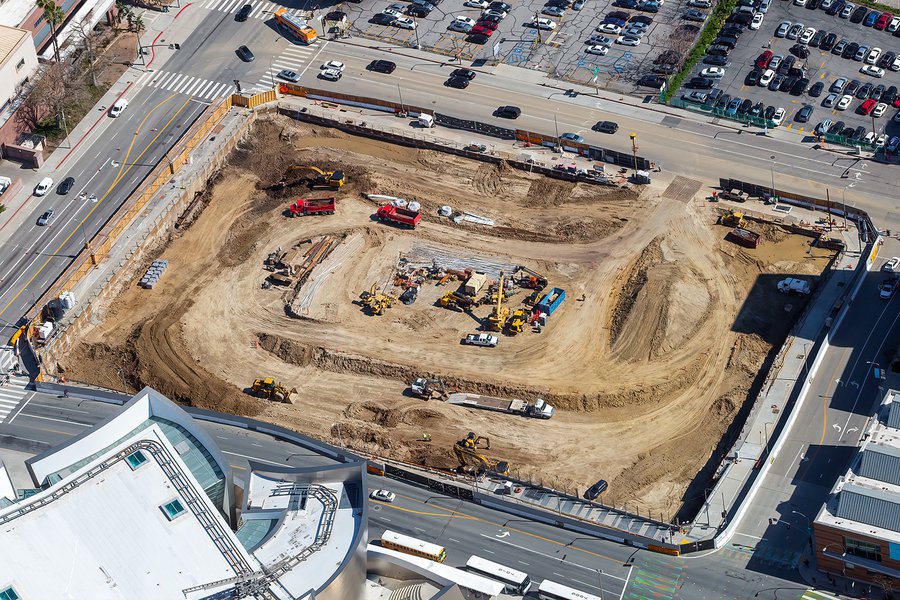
(468, 452)
(268, 389)
(499, 314)
(375, 301)
(323, 179)
(733, 218)
(456, 301)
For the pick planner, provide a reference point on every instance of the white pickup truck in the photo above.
(481, 339)
(5, 182)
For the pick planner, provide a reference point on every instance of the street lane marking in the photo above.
(28, 416)
(87, 412)
(19, 411)
(252, 458)
(547, 555)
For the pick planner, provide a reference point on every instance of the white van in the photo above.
(117, 108)
(426, 120)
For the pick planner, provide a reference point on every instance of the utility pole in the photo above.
(416, 30)
(537, 26)
(772, 158)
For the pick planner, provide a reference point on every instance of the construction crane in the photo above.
(468, 452)
(267, 388)
(328, 179)
(499, 315)
(530, 278)
(375, 301)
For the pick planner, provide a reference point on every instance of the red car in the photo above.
(482, 30)
(883, 21)
(489, 25)
(762, 61)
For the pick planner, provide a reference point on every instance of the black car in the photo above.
(501, 6)
(876, 93)
(383, 19)
(464, 73)
(800, 51)
(700, 83)
(595, 490)
(847, 132)
(66, 186)
(836, 128)
(863, 92)
(817, 39)
(632, 4)
(618, 14)
(651, 81)
(859, 133)
(719, 61)
(606, 127)
(694, 15)
(718, 50)
(829, 42)
(726, 40)
(889, 95)
(816, 90)
(812, 4)
(769, 113)
(835, 8)
(723, 101)
(741, 18)
(886, 60)
(803, 115)
(244, 13)
(758, 109)
(338, 16)
(508, 112)
(745, 107)
(646, 20)
(753, 77)
(799, 87)
(478, 38)
(786, 65)
(459, 83)
(245, 54)
(788, 84)
(382, 66)
(414, 10)
(733, 31)
(852, 87)
(850, 49)
(859, 14)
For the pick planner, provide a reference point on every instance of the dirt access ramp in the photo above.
(649, 359)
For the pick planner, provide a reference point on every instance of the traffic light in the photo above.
(178, 46)
(238, 85)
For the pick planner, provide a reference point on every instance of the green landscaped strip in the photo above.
(710, 31)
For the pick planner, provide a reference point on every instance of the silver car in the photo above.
(783, 28)
(830, 100)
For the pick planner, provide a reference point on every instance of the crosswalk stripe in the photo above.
(233, 5)
(140, 80)
(173, 82)
(257, 10)
(201, 92)
(214, 93)
(160, 78)
(184, 84)
(194, 85)
(9, 404)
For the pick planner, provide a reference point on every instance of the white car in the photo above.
(383, 496)
(628, 40)
(43, 187)
(872, 70)
(476, 3)
(807, 35)
(481, 339)
(879, 110)
(799, 2)
(756, 23)
(494, 12)
(778, 117)
(610, 28)
(598, 49)
(459, 26)
(881, 140)
(465, 21)
(872, 56)
(844, 102)
(117, 108)
(713, 72)
(895, 66)
(869, 137)
(892, 265)
(405, 23)
(545, 24)
(392, 12)
(330, 74)
(766, 78)
(333, 64)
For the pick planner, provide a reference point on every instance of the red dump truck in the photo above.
(401, 216)
(312, 206)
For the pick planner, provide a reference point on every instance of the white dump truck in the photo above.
(538, 410)
(794, 286)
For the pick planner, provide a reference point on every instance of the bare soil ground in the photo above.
(647, 371)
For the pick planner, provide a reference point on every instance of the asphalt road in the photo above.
(619, 572)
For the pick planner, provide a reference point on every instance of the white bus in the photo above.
(550, 590)
(410, 545)
(516, 582)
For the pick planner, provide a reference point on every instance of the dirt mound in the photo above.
(372, 412)
(549, 192)
(488, 178)
(629, 289)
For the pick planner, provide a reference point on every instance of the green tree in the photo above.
(54, 16)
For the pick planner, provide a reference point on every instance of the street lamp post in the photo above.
(400, 93)
(556, 125)
(416, 30)
(843, 554)
(797, 512)
(772, 158)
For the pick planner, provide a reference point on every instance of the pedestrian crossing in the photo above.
(11, 394)
(262, 9)
(181, 83)
(294, 58)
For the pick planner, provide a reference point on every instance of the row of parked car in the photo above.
(876, 19)
(628, 30)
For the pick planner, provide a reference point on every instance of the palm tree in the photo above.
(123, 11)
(54, 16)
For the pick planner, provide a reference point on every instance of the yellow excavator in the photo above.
(327, 179)
(468, 452)
(456, 301)
(517, 322)
(375, 301)
(499, 314)
(733, 218)
(267, 388)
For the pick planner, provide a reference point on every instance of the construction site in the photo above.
(382, 297)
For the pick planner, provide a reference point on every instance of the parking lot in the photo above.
(560, 52)
(820, 66)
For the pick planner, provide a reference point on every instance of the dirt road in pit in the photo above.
(648, 369)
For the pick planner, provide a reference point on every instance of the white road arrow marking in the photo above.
(502, 534)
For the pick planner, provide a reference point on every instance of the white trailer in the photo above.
(538, 410)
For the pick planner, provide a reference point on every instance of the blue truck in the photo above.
(551, 301)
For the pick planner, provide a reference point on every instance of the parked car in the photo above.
(481, 339)
(651, 81)
(782, 29)
(829, 101)
(694, 15)
(844, 102)
(762, 61)
(872, 70)
(803, 115)
(816, 90)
